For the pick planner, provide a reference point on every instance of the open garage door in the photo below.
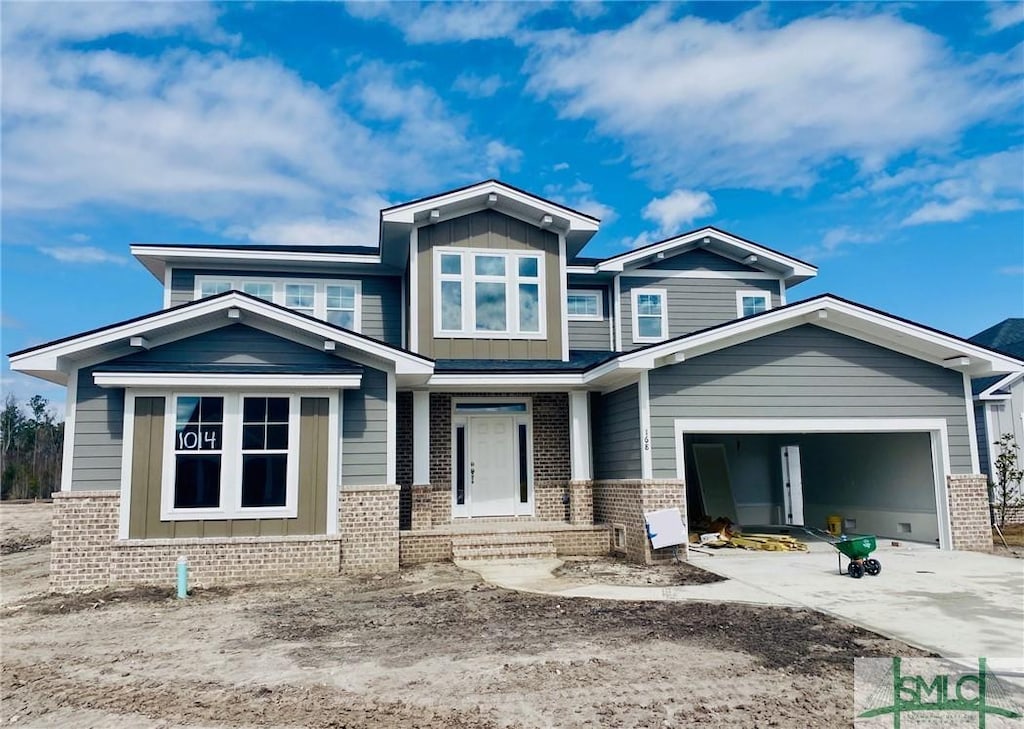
(881, 477)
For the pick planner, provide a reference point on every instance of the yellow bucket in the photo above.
(835, 525)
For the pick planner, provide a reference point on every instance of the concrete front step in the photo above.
(469, 547)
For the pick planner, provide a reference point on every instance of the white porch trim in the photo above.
(209, 380)
(68, 454)
(644, 396)
(579, 435)
(421, 437)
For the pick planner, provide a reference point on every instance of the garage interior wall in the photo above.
(883, 482)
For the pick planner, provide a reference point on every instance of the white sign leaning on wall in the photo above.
(665, 528)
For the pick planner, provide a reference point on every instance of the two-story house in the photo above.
(475, 386)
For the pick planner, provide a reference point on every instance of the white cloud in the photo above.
(990, 183)
(679, 208)
(211, 137)
(79, 237)
(82, 254)
(1012, 271)
(836, 240)
(23, 387)
(1003, 15)
(443, 22)
(580, 196)
(477, 87)
(560, 166)
(355, 225)
(78, 21)
(703, 103)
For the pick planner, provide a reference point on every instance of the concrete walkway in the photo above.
(953, 603)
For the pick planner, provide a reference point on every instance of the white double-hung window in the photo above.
(335, 301)
(230, 456)
(488, 293)
(650, 320)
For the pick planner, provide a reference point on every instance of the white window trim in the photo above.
(597, 293)
(319, 292)
(511, 279)
(461, 419)
(741, 294)
(634, 294)
(231, 462)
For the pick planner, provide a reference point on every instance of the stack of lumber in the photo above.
(762, 542)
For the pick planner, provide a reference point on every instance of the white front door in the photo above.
(492, 466)
(792, 485)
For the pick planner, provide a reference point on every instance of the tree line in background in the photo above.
(32, 447)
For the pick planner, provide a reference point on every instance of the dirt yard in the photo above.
(430, 647)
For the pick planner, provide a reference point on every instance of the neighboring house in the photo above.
(999, 400)
(474, 386)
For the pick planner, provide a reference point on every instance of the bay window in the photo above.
(231, 456)
(489, 293)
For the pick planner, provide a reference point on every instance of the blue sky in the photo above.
(882, 142)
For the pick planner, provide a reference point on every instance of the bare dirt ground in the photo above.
(611, 571)
(429, 647)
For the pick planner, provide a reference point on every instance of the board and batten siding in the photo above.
(693, 303)
(364, 431)
(616, 433)
(147, 474)
(805, 372)
(489, 229)
(99, 430)
(1005, 416)
(234, 344)
(981, 428)
(380, 302)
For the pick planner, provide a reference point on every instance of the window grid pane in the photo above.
(582, 305)
(491, 310)
(300, 297)
(211, 288)
(263, 291)
(199, 429)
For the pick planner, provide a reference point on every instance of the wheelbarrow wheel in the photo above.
(872, 566)
(855, 570)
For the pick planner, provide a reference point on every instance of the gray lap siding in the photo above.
(805, 372)
(616, 434)
(99, 430)
(365, 431)
(693, 303)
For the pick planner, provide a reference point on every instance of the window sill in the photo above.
(488, 335)
(275, 512)
(581, 317)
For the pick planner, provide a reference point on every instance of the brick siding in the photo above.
(403, 457)
(968, 512)
(436, 545)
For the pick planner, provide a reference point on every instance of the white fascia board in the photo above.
(794, 267)
(407, 213)
(222, 380)
(483, 380)
(914, 339)
(588, 270)
(147, 254)
(46, 358)
(989, 393)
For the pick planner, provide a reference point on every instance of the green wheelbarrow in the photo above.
(858, 550)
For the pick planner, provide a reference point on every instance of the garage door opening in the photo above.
(887, 483)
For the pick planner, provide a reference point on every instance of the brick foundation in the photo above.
(435, 545)
(368, 521)
(969, 516)
(581, 502)
(624, 502)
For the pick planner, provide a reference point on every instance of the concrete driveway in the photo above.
(954, 603)
(957, 604)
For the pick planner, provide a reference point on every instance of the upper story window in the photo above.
(488, 293)
(650, 321)
(333, 300)
(749, 303)
(231, 456)
(584, 305)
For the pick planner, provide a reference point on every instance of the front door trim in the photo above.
(520, 411)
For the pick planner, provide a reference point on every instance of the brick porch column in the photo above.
(969, 518)
(422, 506)
(368, 518)
(85, 527)
(581, 502)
